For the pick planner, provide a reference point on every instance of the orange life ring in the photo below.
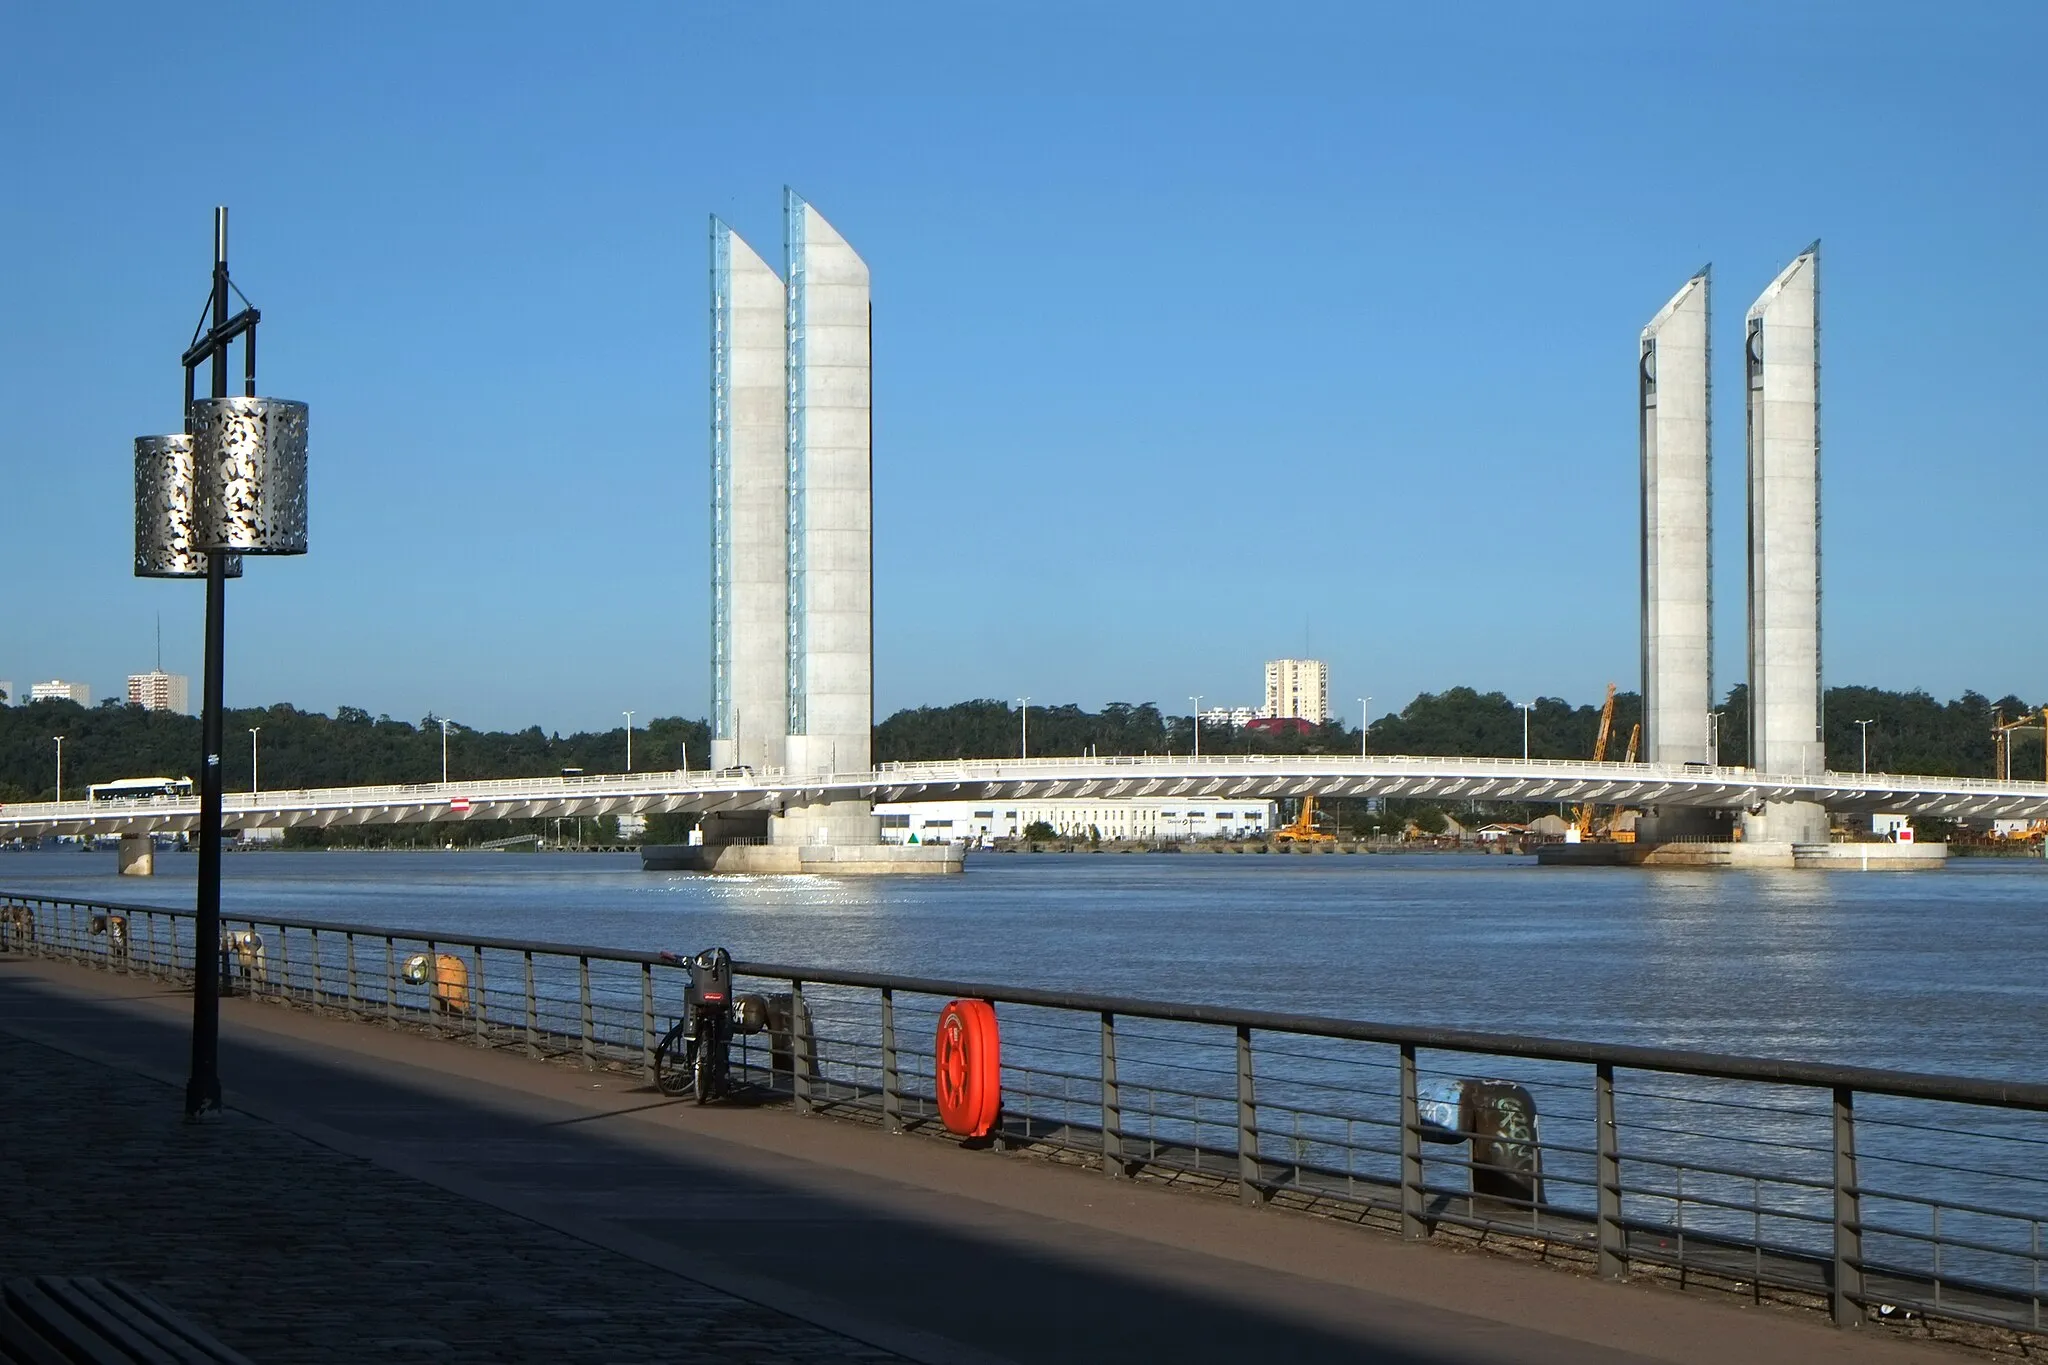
(968, 1066)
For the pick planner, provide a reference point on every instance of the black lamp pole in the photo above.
(202, 1091)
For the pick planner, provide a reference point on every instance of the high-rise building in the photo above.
(56, 689)
(1298, 689)
(157, 690)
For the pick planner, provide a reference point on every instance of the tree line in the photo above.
(1910, 732)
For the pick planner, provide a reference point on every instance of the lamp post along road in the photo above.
(255, 773)
(1526, 707)
(1364, 724)
(1196, 718)
(629, 741)
(444, 749)
(1024, 727)
(1864, 726)
(60, 767)
(233, 483)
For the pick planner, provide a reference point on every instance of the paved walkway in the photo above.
(379, 1195)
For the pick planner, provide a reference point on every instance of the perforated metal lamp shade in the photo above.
(249, 470)
(164, 501)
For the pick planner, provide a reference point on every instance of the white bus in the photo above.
(141, 789)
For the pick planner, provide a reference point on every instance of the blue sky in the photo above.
(1203, 333)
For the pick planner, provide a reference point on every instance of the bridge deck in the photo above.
(1233, 777)
(830, 1238)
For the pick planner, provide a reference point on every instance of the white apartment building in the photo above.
(56, 689)
(1155, 818)
(1298, 688)
(160, 691)
(1236, 717)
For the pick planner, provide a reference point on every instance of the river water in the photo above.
(1939, 972)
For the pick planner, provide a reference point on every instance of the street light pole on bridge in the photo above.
(1197, 719)
(1526, 707)
(629, 741)
(60, 767)
(1864, 726)
(1024, 727)
(255, 773)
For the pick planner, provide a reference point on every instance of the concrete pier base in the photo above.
(137, 856)
(828, 860)
(1786, 822)
(1760, 855)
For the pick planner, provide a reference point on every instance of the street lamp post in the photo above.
(60, 768)
(444, 749)
(629, 741)
(1714, 735)
(255, 783)
(1864, 726)
(233, 483)
(1197, 719)
(1023, 727)
(1364, 723)
(1526, 708)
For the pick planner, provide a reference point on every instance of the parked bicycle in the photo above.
(695, 1056)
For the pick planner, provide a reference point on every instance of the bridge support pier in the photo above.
(1786, 822)
(137, 857)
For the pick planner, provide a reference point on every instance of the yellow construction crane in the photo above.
(1584, 819)
(1303, 830)
(2001, 740)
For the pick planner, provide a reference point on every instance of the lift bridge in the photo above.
(1229, 777)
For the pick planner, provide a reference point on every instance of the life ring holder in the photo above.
(967, 1066)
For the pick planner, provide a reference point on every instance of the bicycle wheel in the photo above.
(675, 1062)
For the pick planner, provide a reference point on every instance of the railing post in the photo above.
(799, 1048)
(1112, 1104)
(532, 1011)
(149, 926)
(354, 998)
(892, 1077)
(1607, 1139)
(589, 1022)
(284, 963)
(1249, 1177)
(319, 989)
(477, 1009)
(647, 1020)
(390, 982)
(433, 988)
(1412, 1226)
(1848, 1279)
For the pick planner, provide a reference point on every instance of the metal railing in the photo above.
(1860, 1189)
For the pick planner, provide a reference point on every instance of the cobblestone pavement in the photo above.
(292, 1252)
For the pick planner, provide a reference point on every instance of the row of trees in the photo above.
(295, 748)
(1909, 732)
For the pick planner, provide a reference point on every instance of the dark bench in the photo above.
(55, 1320)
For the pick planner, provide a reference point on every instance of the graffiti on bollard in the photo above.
(1499, 1119)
